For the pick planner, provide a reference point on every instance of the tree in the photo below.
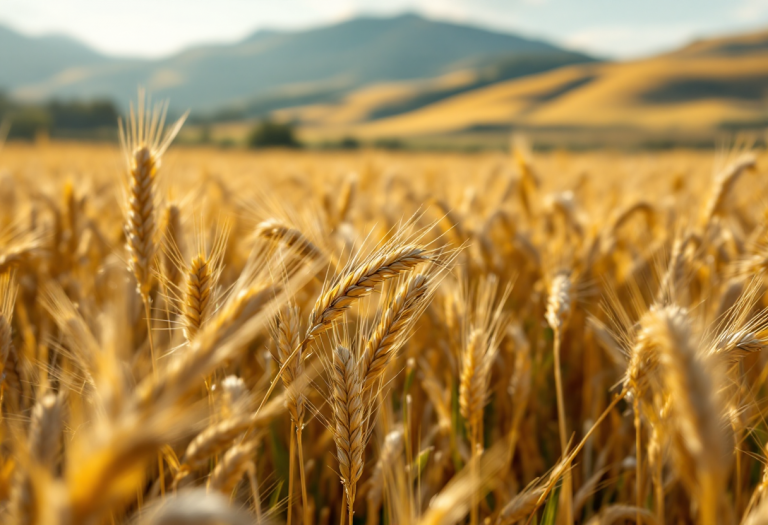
(272, 134)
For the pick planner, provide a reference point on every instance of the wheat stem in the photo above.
(291, 468)
(304, 498)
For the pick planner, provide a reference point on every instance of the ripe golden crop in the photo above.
(207, 336)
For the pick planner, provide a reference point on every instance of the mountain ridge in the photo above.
(349, 54)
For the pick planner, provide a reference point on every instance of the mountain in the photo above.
(272, 69)
(709, 85)
(386, 99)
(28, 60)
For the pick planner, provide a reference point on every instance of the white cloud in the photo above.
(628, 41)
(751, 9)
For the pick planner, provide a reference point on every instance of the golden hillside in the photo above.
(706, 85)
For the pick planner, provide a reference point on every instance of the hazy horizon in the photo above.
(602, 28)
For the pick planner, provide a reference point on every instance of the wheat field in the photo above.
(199, 336)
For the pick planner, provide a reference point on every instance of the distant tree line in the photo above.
(270, 134)
(64, 119)
(97, 120)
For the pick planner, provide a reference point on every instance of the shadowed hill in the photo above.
(713, 84)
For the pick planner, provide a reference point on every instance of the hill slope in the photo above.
(709, 84)
(276, 69)
(25, 60)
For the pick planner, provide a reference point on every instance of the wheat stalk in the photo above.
(724, 182)
(231, 327)
(287, 339)
(557, 315)
(143, 145)
(392, 448)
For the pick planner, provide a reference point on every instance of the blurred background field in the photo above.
(403, 81)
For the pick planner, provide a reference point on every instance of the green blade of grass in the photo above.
(550, 510)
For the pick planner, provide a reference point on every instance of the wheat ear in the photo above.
(643, 360)
(346, 198)
(287, 339)
(520, 507)
(45, 429)
(193, 507)
(234, 395)
(472, 393)
(213, 440)
(725, 181)
(8, 291)
(352, 285)
(393, 446)
(144, 144)
(244, 312)
(348, 422)
(18, 253)
(231, 468)
(278, 231)
(198, 295)
(519, 383)
(557, 314)
(173, 237)
(218, 437)
(472, 384)
(384, 342)
(42, 448)
(618, 513)
(359, 283)
(695, 411)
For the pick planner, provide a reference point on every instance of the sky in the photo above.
(608, 28)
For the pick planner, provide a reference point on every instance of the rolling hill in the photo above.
(710, 84)
(29, 60)
(274, 69)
